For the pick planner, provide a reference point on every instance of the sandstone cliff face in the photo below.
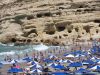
(52, 21)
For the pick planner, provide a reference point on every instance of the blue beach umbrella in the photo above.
(97, 68)
(98, 61)
(36, 71)
(48, 60)
(65, 54)
(61, 73)
(14, 70)
(75, 64)
(52, 56)
(65, 61)
(77, 52)
(52, 65)
(93, 58)
(82, 70)
(28, 59)
(79, 55)
(88, 62)
(94, 49)
(20, 70)
(34, 62)
(36, 66)
(70, 56)
(68, 61)
(59, 66)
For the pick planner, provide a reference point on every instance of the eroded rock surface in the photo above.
(49, 21)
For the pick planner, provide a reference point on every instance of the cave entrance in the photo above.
(30, 17)
(76, 29)
(69, 31)
(99, 25)
(82, 32)
(65, 35)
(50, 33)
(69, 28)
(61, 28)
(60, 37)
(48, 14)
(39, 15)
(97, 21)
(58, 13)
(87, 28)
(97, 31)
(29, 40)
(32, 31)
(41, 40)
(13, 40)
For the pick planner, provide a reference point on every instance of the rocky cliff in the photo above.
(49, 21)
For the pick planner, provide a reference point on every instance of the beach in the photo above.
(56, 51)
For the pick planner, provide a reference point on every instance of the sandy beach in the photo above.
(56, 51)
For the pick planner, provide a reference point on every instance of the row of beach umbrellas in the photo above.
(93, 62)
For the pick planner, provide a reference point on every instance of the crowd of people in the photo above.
(58, 61)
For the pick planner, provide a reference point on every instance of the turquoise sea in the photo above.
(6, 50)
(14, 51)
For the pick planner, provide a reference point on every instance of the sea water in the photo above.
(11, 50)
(14, 51)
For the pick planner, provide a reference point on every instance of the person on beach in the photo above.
(5, 59)
(9, 59)
(26, 55)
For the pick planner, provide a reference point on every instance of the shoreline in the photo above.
(57, 51)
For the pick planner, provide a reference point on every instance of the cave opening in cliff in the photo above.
(32, 31)
(58, 13)
(24, 40)
(61, 8)
(69, 31)
(13, 40)
(51, 32)
(91, 39)
(29, 40)
(30, 17)
(81, 6)
(97, 31)
(61, 28)
(87, 10)
(87, 29)
(55, 37)
(41, 40)
(18, 21)
(97, 21)
(78, 36)
(99, 25)
(36, 40)
(82, 32)
(79, 10)
(60, 37)
(26, 34)
(76, 29)
(48, 14)
(65, 35)
(39, 15)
